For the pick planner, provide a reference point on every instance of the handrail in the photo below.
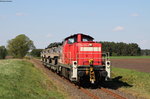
(105, 56)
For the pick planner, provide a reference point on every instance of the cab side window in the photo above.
(72, 40)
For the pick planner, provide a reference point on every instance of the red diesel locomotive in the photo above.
(79, 57)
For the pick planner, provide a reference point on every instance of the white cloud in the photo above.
(118, 28)
(20, 14)
(135, 14)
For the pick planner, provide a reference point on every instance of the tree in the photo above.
(121, 49)
(145, 52)
(36, 52)
(20, 45)
(3, 52)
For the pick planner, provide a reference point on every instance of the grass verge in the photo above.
(21, 80)
(139, 81)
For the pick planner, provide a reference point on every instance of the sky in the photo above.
(47, 21)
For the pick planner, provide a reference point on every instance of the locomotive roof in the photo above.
(78, 34)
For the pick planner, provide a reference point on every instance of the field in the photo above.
(134, 73)
(139, 63)
(21, 80)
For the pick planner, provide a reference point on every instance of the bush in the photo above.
(36, 52)
(3, 52)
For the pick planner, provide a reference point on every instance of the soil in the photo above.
(142, 65)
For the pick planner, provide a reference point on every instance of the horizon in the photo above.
(45, 22)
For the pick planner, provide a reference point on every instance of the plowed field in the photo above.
(142, 65)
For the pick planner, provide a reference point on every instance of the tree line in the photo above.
(20, 46)
(145, 52)
(121, 49)
(36, 52)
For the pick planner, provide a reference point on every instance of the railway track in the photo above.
(85, 90)
(113, 94)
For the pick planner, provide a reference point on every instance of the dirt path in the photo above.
(142, 65)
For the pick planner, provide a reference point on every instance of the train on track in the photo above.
(79, 59)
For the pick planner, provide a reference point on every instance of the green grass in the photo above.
(128, 57)
(21, 80)
(139, 81)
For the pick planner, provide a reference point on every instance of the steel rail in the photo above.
(112, 93)
(89, 93)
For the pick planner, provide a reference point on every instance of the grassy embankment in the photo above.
(21, 80)
(139, 81)
(128, 57)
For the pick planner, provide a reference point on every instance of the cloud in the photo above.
(135, 14)
(20, 14)
(118, 28)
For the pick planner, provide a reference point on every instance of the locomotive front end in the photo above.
(92, 62)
